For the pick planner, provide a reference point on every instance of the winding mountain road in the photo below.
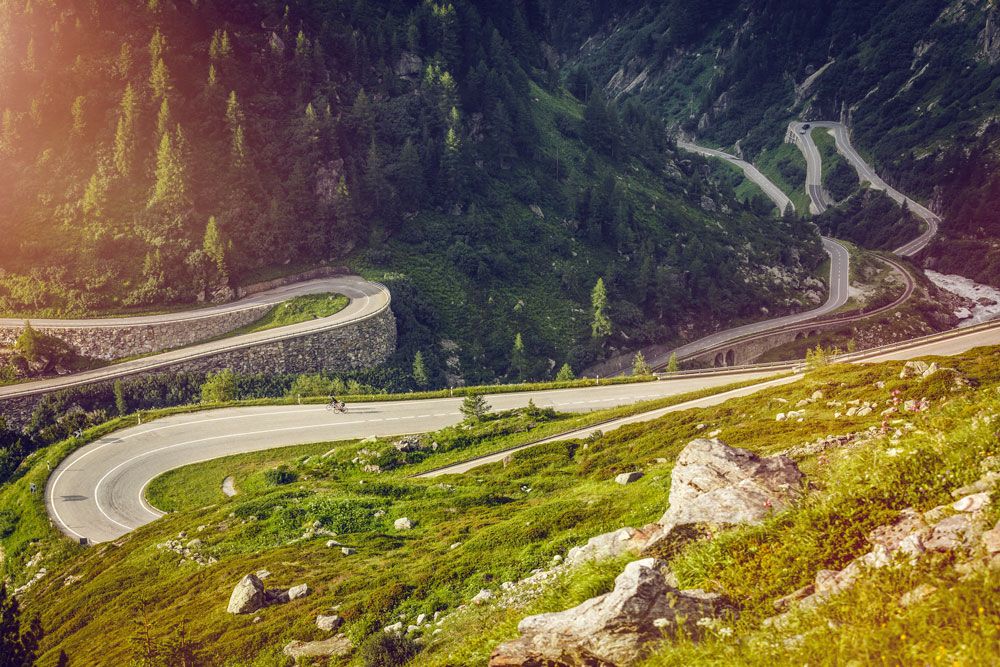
(368, 299)
(820, 201)
(98, 492)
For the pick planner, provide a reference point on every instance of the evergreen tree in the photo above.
(62, 660)
(639, 365)
(601, 325)
(163, 118)
(78, 112)
(170, 189)
(409, 177)
(672, 365)
(28, 343)
(18, 645)
(124, 147)
(215, 247)
(419, 370)
(120, 404)
(159, 80)
(518, 359)
(474, 408)
(157, 46)
(565, 373)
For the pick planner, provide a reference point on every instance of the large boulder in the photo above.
(617, 628)
(248, 596)
(334, 647)
(713, 483)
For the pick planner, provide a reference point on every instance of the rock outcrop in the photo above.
(248, 596)
(717, 484)
(334, 647)
(617, 628)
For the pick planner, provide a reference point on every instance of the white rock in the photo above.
(402, 524)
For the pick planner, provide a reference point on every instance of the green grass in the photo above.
(768, 162)
(295, 311)
(510, 519)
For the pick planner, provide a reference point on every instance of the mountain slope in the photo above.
(917, 81)
(163, 153)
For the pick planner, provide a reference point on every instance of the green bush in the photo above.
(388, 650)
(219, 387)
(279, 476)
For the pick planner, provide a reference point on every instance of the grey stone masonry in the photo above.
(354, 346)
(128, 340)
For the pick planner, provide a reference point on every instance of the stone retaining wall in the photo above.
(363, 344)
(111, 342)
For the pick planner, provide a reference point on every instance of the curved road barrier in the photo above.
(368, 301)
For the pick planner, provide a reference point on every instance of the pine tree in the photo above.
(238, 152)
(123, 65)
(474, 408)
(518, 359)
(78, 112)
(163, 118)
(565, 373)
(639, 366)
(419, 370)
(601, 325)
(120, 404)
(159, 80)
(214, 246)
(124, 148)
(170, 189)
(672, 365)
(28, 343)
(157, 46)
(409, 177)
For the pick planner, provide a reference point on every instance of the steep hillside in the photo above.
(322, 515)
(917, 81)
(161, 153)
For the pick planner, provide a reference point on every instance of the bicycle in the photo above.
(336, 406)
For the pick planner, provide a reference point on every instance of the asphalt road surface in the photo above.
(98, 492)
(367, 299)
(820, 201)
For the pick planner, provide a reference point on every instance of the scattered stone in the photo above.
(482, 597)
(984, 483)
(347, 551)
(951, 534)
(334, 647)
(329, 623)
(972, 503)
(332, 543)
(248, 596)
(817, 395)
(296, 592)
(402, 524)
(455, 545)
(421, 618)
(783, 603)
(991, 540)
(395, 628)
(918, 594)
(617, 628)
(628, 477)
